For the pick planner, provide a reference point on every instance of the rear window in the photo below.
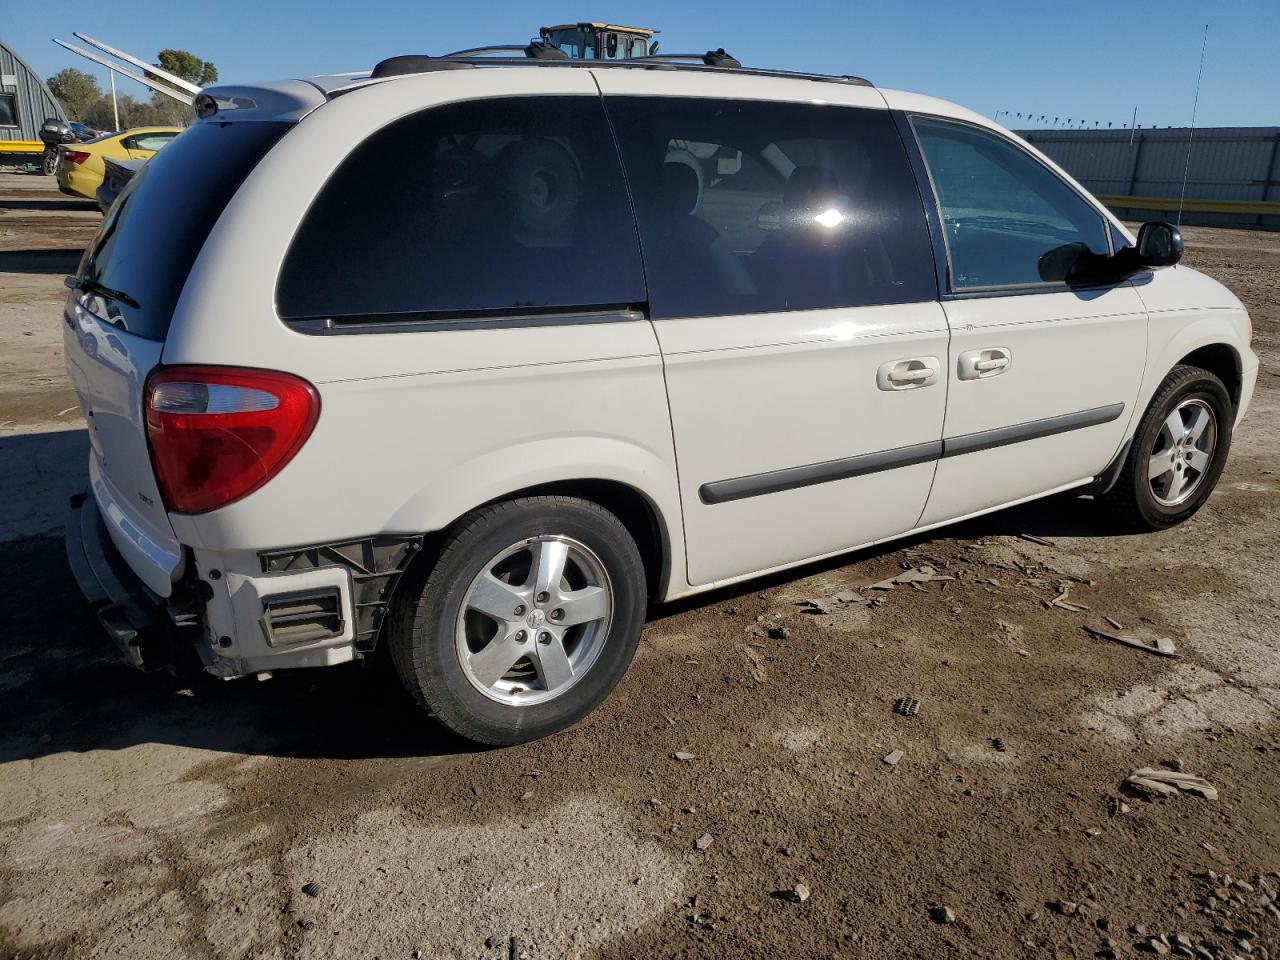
(471, 210)
(156, 228)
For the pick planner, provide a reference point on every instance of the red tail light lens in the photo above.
(77, 156)
(219, 433)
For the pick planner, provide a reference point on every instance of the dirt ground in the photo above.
(144, 817)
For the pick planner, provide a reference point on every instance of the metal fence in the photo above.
(1233, 178)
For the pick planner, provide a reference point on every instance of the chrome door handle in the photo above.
(908, 374)
(981, 364)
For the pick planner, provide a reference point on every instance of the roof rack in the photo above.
(542, 54)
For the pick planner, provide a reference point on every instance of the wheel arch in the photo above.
(637, 512)
(1223, 361)
(631, 482)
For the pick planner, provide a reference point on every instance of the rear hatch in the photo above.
(118, 315)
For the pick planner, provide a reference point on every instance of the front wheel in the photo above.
(49, 162)
(526, 621)
(1177, 453)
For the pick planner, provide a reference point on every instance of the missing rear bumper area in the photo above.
(147, 628)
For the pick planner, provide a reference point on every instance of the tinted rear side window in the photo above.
(480, 208)
(156, 227)
(749, 207)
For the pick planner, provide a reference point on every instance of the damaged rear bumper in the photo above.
(139, 621)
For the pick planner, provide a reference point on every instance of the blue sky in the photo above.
(1086, 60)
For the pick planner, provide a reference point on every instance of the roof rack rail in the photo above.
(534, 50)
(542, 54)
(712, 58)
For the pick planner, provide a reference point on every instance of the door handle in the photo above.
(981, 364)
(908, 374)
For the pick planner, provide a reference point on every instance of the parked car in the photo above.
(116, 173)
(81, 168)
(474, 365)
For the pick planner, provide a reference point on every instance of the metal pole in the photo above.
(115, 107)
(1133, 125)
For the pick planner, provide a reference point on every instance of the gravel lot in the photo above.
(145, 817)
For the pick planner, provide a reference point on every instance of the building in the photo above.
(1232, 173)
(25, 103)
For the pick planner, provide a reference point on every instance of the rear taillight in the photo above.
(76, 156)
(219, 433)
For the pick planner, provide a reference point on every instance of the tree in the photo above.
(76, 90)
(188, 66)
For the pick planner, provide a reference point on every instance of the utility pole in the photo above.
(115, 107)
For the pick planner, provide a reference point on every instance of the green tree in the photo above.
(188, 66)
(76, 90)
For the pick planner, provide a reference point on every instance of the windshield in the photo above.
(156, 228)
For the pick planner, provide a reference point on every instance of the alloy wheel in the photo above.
(1182, 452)
(534, 620)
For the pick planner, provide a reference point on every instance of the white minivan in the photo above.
(475, 359)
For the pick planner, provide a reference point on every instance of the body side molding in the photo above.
(776, 481)
(1031, 430)
(791, 478)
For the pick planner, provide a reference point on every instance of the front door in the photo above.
(1043, 375)
(791, 288)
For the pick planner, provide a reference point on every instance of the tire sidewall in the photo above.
(1199, 385)
(433, 656)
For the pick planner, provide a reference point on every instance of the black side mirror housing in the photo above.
(1159, 244)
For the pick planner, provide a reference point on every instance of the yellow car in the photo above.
(80, 166)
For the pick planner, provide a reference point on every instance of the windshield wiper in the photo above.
(94, 287)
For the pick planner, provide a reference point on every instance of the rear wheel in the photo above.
(1177, 453)
(526, 621)
(49, 162)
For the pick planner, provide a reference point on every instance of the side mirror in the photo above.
(1062, 263)
(1159, 244)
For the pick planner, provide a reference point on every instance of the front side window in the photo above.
(487, 207)
(754, 207)
(8, 110)
(1002, 209)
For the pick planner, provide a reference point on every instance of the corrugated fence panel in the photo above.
(1233, 177)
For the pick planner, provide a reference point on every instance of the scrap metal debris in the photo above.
(1032, 538)
(704, 841)
(1114, 622)
(1169, 782)
(893, 758)
(907, 706)
(912, 575)
(311, 889)
(1164, 647)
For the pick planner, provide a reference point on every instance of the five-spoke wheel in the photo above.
(1182, 452)
(534, 620)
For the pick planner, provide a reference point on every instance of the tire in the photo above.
(438, 632)
(48, 163)
(1141, 501)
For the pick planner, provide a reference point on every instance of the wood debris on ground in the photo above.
(1163, 645)
(1169, 782)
